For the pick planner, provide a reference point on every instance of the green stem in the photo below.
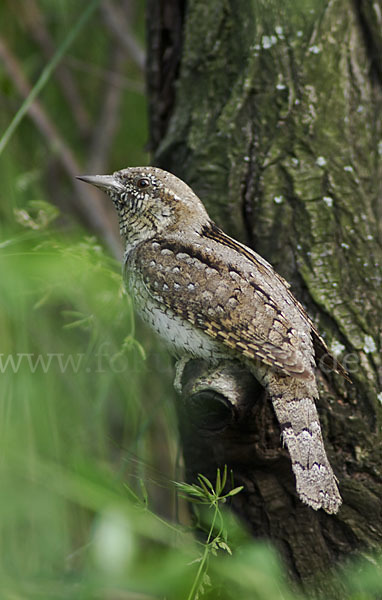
(206, 552)
(138, 500)
(46, 73)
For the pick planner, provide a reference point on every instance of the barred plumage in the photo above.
(211, 297)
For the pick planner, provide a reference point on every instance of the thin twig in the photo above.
(118, 24)
(107, 120)
(87, 200)
(109, 77)
(35, 21)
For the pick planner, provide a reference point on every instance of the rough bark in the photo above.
(272, 113)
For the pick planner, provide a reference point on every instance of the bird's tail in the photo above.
(296, 412)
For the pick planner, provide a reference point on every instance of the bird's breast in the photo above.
(181, 336)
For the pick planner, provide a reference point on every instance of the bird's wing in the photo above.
(270, 276)
(216, 296)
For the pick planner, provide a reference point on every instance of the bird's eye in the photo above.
(142, 183)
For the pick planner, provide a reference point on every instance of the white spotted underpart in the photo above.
(179, 335)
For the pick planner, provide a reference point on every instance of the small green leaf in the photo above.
(219, 485)
(223, 546)
(84, 321)
(37, 215)
(224, 479)
(235, 491)
(145, 496)
(206, 481)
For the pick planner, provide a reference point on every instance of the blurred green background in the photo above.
(88, 435)
(84, 416)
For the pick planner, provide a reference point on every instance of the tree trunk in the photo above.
(272, 113)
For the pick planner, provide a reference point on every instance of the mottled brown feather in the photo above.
(217, 297)
(321, 349)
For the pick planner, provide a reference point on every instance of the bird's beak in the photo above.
(107, 183)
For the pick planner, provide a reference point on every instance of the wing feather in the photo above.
(222, 300)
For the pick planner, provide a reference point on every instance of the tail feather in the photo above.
(293, 402)
(316, 483)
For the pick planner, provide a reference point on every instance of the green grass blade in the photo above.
(46, 73)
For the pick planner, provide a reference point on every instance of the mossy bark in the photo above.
(272, 113)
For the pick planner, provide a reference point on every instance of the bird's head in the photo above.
(150, 201)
